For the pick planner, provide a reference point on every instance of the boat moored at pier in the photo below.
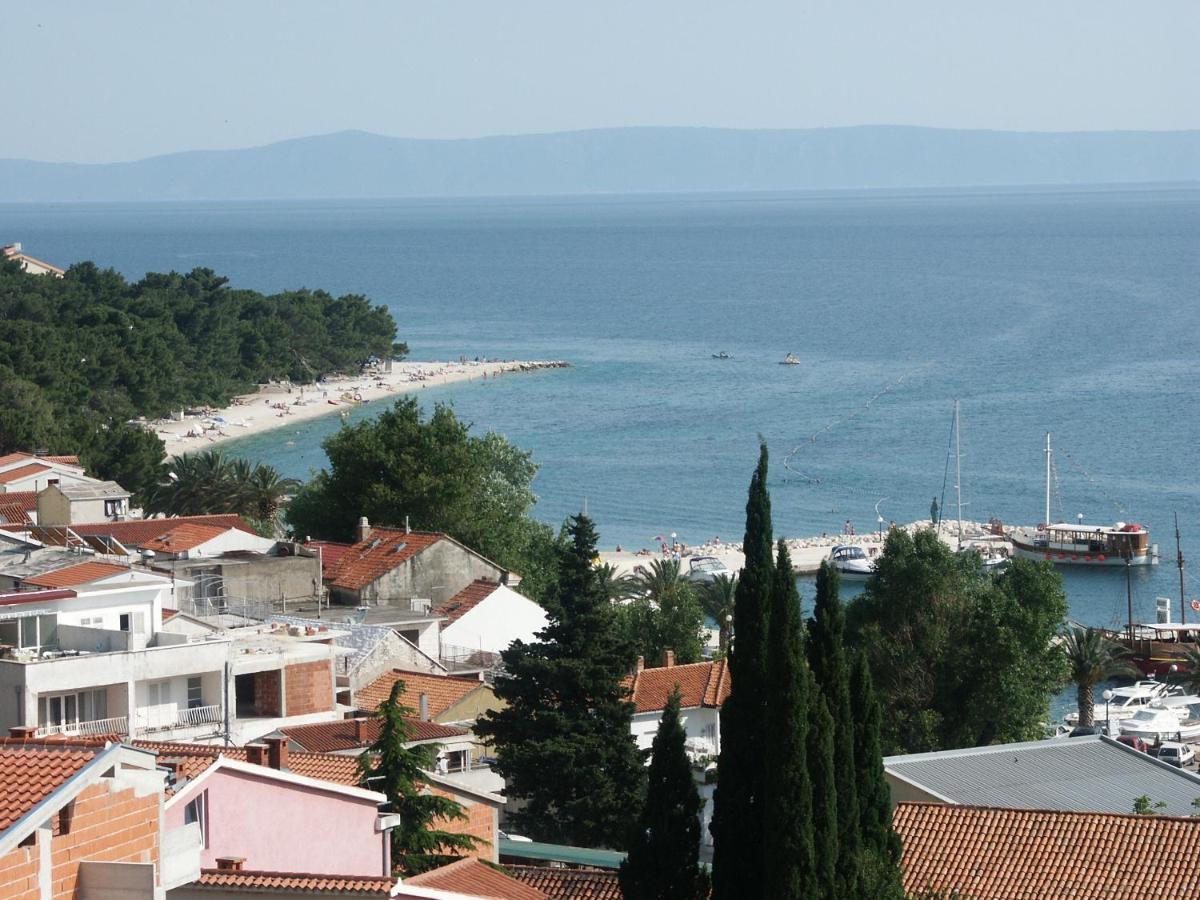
(1086, 545)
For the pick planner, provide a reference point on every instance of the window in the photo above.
(68, 710)
(159, 693)
(92, 621)
(114, 507)
(195, 698)
(197, 811)
(125, 621)
(29, 631)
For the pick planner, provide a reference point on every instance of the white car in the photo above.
(1176, 754)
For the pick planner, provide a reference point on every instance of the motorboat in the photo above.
(705, 569)
(1161, 723)
(721, 355)
(852, 562)
(992, 557)
(790, 360)
(1127, 700)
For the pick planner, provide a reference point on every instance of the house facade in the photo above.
(484, 618)
(63, 503)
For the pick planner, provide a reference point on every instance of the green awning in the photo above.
(576, 856)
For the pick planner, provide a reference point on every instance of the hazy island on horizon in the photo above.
(358, 165)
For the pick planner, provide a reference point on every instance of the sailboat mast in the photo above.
(1179, 561)
(1047, 519)
(958, 472)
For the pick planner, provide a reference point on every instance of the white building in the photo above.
(486, 617)
(31, 472)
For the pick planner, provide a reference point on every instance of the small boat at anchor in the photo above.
(852, 562)
(1127, 700)
(1161, 723)
(790, 360)
(721, 355)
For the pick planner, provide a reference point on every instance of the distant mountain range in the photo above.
(354, 164)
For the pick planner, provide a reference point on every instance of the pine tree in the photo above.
(824, 799)
(397, 771)
(787, 857)
(563, 742)
(664, 850)
(737, 824)
(880, 845)
(827, 658)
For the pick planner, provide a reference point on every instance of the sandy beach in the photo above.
(278, 404)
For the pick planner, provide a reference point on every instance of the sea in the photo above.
(1074, 311)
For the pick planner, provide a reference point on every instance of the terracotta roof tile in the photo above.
(135, 532)
(470, 876)
(62, 460)
(80, 573)
(442, 691)
(16, 506)
(383, 551)
(21, 598)
(986, 852)
(467, 599)
(198, 757)
(329, 737)
(331, 554)
(700, 684)
(333, 885)
(23, 472)
(29, 774)
(570, 884)
(184, 537)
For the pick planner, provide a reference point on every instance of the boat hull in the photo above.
(1067, 558)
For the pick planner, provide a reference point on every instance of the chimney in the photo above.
(230, 863)
(668, 658)
(277, 752)
(360, 731)
(406, 528)
(256, 754)
(423, 705)
(364, 529)
(23, 732)
(639, 665)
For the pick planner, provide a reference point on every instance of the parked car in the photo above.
(1176, 754)
(1136, 743)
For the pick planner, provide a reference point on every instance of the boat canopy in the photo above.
(848, 551)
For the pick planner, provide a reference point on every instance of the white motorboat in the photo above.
(852, 562)
(1127, 700)
(790, 360)
(1161, 723)
(705, 569)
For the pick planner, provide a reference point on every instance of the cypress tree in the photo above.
(824, 799)
(563, 741)
(827, 658)
(787, 851)
(737, 824)
(880, 844)
(664, 850)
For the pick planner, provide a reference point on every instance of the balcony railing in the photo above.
(115, 725)
(161, 718)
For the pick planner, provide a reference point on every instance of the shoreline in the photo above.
(278, 404)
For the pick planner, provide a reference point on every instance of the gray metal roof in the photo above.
(93, 490)
(1086, 774)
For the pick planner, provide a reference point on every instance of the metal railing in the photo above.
(115, 725)
(159, 719)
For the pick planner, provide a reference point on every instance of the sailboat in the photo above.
(1086, 545)
(991, 557)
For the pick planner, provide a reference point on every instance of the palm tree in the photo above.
(716, 598)
(265, 491)
(614, 585)
(210, 482)
(663, 578)
(1093, 658)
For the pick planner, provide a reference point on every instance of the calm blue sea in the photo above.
(1073, 311)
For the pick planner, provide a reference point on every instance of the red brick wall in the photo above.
(479, 824)
(309, 688)
(266, 693)
(104, 827)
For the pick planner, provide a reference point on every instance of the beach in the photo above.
(284, 403)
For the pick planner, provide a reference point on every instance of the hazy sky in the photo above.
(94, 82)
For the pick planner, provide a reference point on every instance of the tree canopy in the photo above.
(958, 658)
(441, 477)
(663, 613)
(209, 482)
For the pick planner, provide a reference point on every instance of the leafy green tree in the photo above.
(737, 824)
(563, 741)
(664, 614)
(959, 659)
(1144, 806)
(786, 808)
(879, 843)
(440, 477)
(827, 658)
(1093, 658)
(397, 770)
(131, 456)
(716, 599)
(27, 417)
(664, 850)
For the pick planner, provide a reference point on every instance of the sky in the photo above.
(90, 82)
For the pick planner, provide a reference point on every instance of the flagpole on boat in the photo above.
(1179, 562)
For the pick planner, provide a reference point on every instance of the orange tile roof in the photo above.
(470, 876)
(19, 455)
(467, 599)
(383, 551)
(195, 758)
(184, 537)
(986, 852)
(570, 884)
(16, 506)
(333, 885)
(700, 684)
(329, 737)
(134, 532)
(331, 554)
(442, 691)
(62, 460)
(23, 472)
(29, 774)
(70, 576)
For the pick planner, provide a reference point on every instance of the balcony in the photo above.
(169, 718)
(115, 725)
